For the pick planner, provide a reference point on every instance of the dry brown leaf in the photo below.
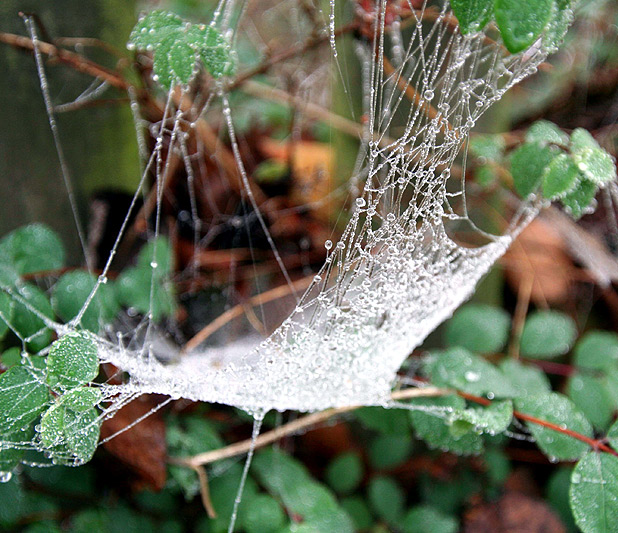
(540, 254)
(513, 513)
(143, 447)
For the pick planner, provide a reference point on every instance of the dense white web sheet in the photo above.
(393, 275)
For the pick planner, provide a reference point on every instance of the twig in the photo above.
(304, 423)
(238, 310)
(205, 491)
(521, 310)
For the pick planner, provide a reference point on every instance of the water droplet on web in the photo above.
(154, 264)
(360, 202)
(5, 477)
(328, 244)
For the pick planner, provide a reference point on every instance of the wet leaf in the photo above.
(72, 361)
(472, 15)
(559, 410)
(560, 178)
(526, 379)
(263, 515)
(23, 396)
(432, 424)
(521, 21)
(71, 292)
(580, 201)
(462, 370)
(594, 493)
(545, 132)
(591, 398)
(528, 164)
(593, 162)
(32, 248)
(30, 304)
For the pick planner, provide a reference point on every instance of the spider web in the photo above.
(394, 271)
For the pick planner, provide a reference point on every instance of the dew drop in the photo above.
(5, 477)
(328, 244)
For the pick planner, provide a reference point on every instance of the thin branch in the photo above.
(205, 491)
(291, 428)
(238, 310)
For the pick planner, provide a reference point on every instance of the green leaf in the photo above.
(388, 421)
(472, 15)
(357, 509)
(389, 451)
(214, 49)
(556, 409)
(386, 498)
(33, 248)
(594, 162)
(72, 361)
(427, 519)
(479, 328)
(173, 62)
(153, 27)
(560, 178)
(580, 201)
(432, 424)
(528, 164)
(27, 323)
(11, 357)
(71, 292)
(498, 465)
(612, 436)
(521, 21)
(462, 370)
(82, 399)
(557, 494)
(485, 175)
(560, 19)
(64, 430)
(597, 350)
(345, 473)
(591, 399)
(6, 313)
(492, 419)
(263, 515)
(547, 334)
(545, 132)
(133, 289)
(288, 480)
(594, 493)
(526, 379)
(22, 398)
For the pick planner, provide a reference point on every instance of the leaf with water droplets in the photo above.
(593, 162)
(153, 27)
(71, 292)
(594, 493)
(492, 419)
(545, 132)
(526, 379)
(462, 370)
(560, 19)
(528, 164)
(6, 313)
(23, 396)
(559, 410)
(547, 334)
(30, 304)
(32, 248)
(72, 361)
(589, 395)
(560, 177)
(472, 15)
(432, 423)
(479, 328)
(580, 200)
(521, 21)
